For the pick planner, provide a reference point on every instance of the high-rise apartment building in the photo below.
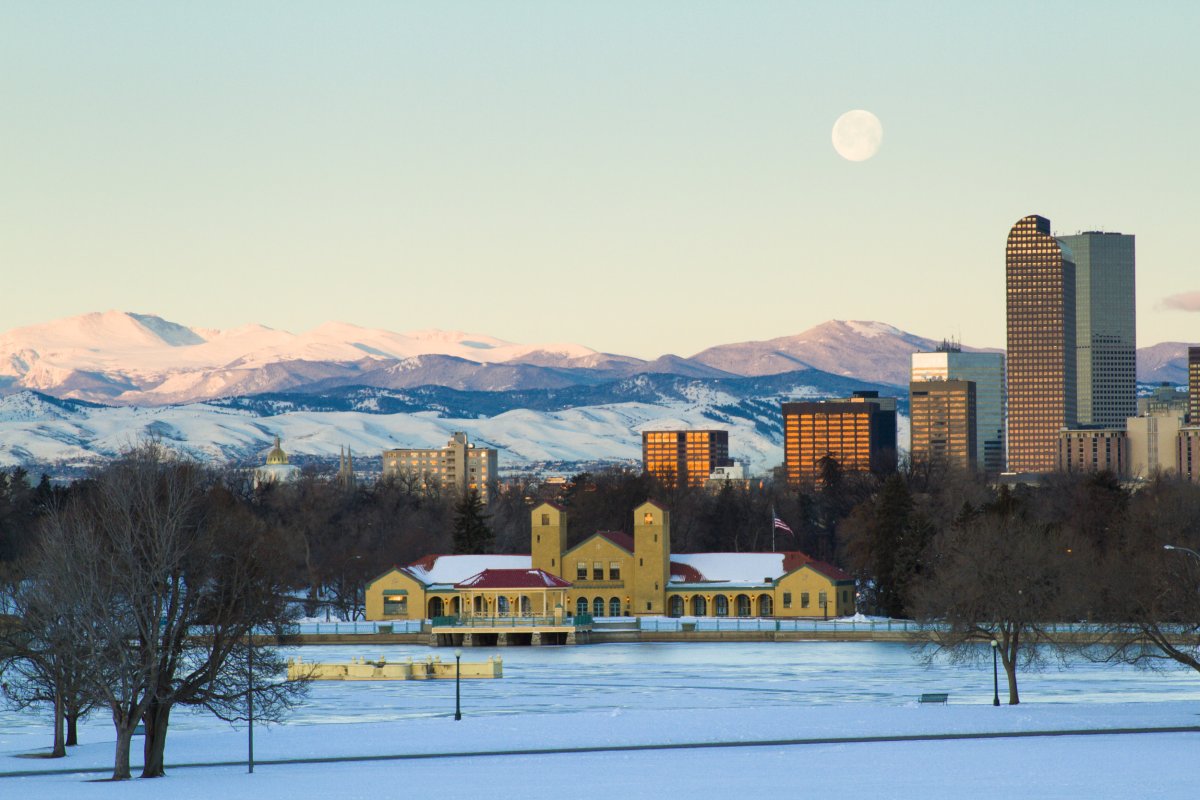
(1152, 440)
(986, 371)
(1105, 329)
(1040, 284)
(459, 466)
(858, 432)
(684, 458)
(943, 425)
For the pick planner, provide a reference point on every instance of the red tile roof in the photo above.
(619, 538)
(686, 572)
(513, 579)
(794, 560)
(829, 570)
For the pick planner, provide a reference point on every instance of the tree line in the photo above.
(156, 582)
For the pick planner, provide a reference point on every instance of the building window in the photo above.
(804, 599)
(597, 571)
(823, 600)
(581, 606)
(395, 605)
(598, 607)
(648, 519)
(614, 570)
(545, 519)
(581, 571)
(787, 599)
(648, 606)
(614, 607)
(721, 606)
(676, 606)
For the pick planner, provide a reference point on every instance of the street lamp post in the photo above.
(995, 675)
(1187, 550)
(250, 699)
(457, 684)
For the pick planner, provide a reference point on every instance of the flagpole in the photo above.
(772, 529)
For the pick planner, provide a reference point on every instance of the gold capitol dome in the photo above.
(277, 456)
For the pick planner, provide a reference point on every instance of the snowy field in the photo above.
(655, 694)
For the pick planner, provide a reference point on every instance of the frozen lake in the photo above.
(654, 694)
(604, 677)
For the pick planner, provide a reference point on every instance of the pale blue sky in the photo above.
(638, 177)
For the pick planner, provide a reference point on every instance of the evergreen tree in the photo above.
(471, 532)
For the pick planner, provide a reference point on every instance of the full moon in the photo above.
(857, 135)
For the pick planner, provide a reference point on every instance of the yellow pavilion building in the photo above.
(611, 574)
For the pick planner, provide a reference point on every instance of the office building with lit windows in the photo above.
(458, 467)
(858, 432)
(1094, 449)
(943, 426)
(1105, 327)
(1042, 395)
(986, 371)
(684, 457)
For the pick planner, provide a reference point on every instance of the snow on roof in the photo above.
(741, 567)
(512, 579)
(453, 569)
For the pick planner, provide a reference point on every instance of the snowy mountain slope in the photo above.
(576, 423)
(870, 351)
(597, 433)
(1164, 362)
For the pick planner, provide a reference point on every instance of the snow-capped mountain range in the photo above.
(123, 358)
(80, 389)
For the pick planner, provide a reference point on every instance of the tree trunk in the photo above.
(156, 717)
(1012, 649)
(72, 728)
(121, 757)
(60, 749)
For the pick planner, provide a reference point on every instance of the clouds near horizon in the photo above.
(1184, 301)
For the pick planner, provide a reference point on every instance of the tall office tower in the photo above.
(943, 423)
(1040, 282)
(1194, 385)
(859, 432)
(986, 371)
(1105, 336)
(684, 458)
(458, 466)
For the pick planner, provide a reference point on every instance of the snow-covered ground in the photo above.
(653, 694)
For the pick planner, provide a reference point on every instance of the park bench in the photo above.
(933, 697)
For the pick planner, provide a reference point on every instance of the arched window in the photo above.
(598, 607)
(526, 606)
(502, 605)
(436, 608)
(479, 607)
(614, 607)
(743, 605)
(581, 605)
(455, 606)
(721, 606)
(676, 609)
(699, 606)
(766, 606)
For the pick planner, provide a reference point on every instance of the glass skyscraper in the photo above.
(1105, 335)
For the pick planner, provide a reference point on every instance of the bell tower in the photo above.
(548, 537)
(652, 558)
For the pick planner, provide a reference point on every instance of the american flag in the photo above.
(783, 526)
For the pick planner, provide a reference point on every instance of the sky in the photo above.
(641, 178)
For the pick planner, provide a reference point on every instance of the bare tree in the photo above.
(171, 574)
(1155, 620)
(993, 577)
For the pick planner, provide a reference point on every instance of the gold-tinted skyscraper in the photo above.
(1040, 282)
(943, 426)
